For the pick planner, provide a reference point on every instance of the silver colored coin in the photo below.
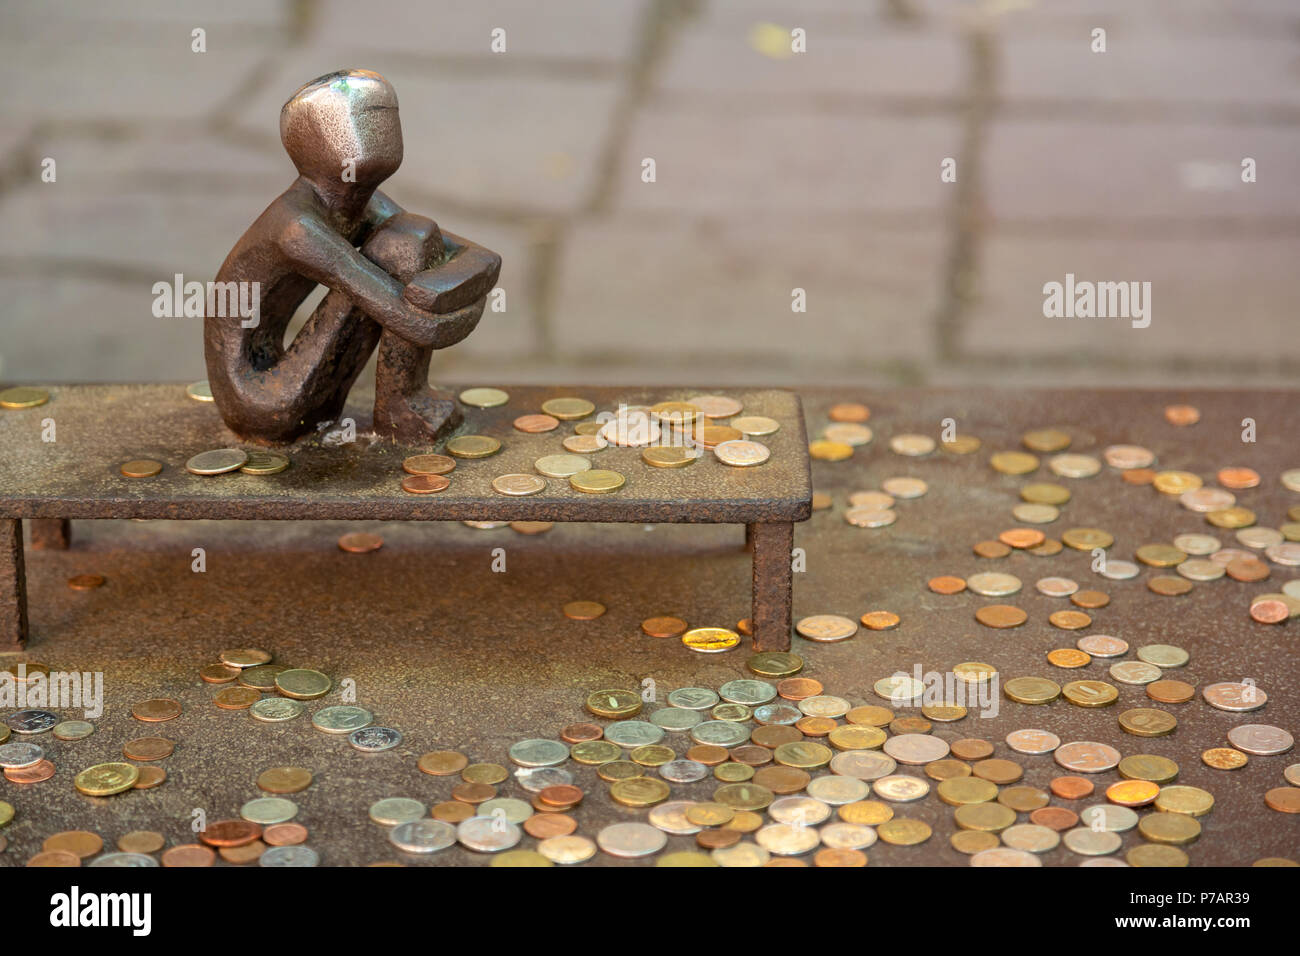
(569, 849)
(723, 733)
(1033, 741)
(693, 698)
(1205, 500)
(1029, 513)
(905, 487)
(514, 810)
(1291, 479)
(537, 779)
(675, 719)
(863, 764)
(1163, 655)
(800, 811)
(633, 733)
(1201, 569)
(289, 856)
(787, 839)
(1087, 756)
(911, 445)
(1056, 587)
(539, 753)
(1259, 538)
(743, 854)
(1125, 457)
(1086, 842)
(824, 705)
(748, 692)
(20, 754)
(993, 584)
(850, 433)
(781, 713)
(519, 486)
(373, 740)
(269, 810)
(488, 834)
(394, 811)
(1117, 569)
(1225, 556)
(847, 836)
(683, 771)
(1286, 553)
(1196, 544)
(1102, 645)
(1292, 588)
(901, 788)
(1134, 672)
(1030, 837)
(562, 466)
(1292, 774)
(273, 710)
(123, 859)
(341, 719)
(219, 461)
(1004, 856)
(899, 688)
(631, 840)
(1070, 465)
(1234, 697)
(827, 628)
(1100, 861)
(837, 789)
(31, 721)
(1108, 816)
(916, 749)
(671, 818)
(1261, 739)
(742, 453)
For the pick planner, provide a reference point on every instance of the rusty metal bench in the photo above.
(97, 428)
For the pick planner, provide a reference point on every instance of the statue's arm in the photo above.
(467, 274)
(319, 253)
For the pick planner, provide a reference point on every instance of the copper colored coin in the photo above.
(428, 465)
(745, 626)
(849, 412)
(577, 733)
(997, 770)
(752, 755)
(189, 854)
(242, 855)
(815, 726)
(157, 709)
(140, 468)
(1238, 478)
(1170, 691)
(1139, 476)
(1054, 818)
(799, 688)
(1090, 599)
(86, 582)
(1182, 415)
(718, 839)
(237, 698)
(1022, 537)
(149, 778)
(141, 841)
(230, 833)
(1247, 569)
(1001, 616)
(219, 674)
(991, 549)
(1069, 620)
(708, 754)
(453, 811)
(425, 484)
(359, 542)
(284, 780)
(971, 748)
(55, 858)
(583, 610)
(543, 826)
(664, 626)
(772, 736)
(38, 772)
(82, 843)
(535, 424)
(947, 584)
(148, 748)
(880, 620)
(1071, 788)
(1283, 799)
(561, 795)
(442, 763)
(782, 780)
(1269, 612)
(1169, 586)
(474, 793)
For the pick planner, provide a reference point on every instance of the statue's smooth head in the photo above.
(348, 117)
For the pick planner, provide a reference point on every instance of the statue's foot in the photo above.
(419, 419)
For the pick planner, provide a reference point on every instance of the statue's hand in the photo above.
(462, 281)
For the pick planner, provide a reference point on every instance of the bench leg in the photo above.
(51, 534)
(773, 578)
(13, 586)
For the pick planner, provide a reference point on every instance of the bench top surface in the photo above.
(98, 427)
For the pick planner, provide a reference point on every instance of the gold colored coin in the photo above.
(669, 456)
(880, 620)
(1086, 539)
(1069, 620)
(710, 640)
(1224, 758)
(803, 755)
(903, 832)
(484, 397)
(1160, 555)
(1014, 462)
(675, 413)
(971, 842)
(1068, 657)
(200, 391)
(867, 812)
(568, 409)
(1046, 440)
(284, 780)
(824, 450)
(990, 817)
(140, 468)
(442, 763)
(1232, 518)
(23, 397)
(1147, 722)
(1184, 800)
(1032, 690)
(303, 684)
(1045, 493)
(106, 779)
(960, 791)
(485, 773)
(1090, 693)
(756, 425)
(652, 755)
(261, 462)
(774, 663)
(1155, 854)
(1132, 793)
(473, 446)
(597, 481)
(1149, 767)
(614, 704)
(1175, 829)
(961, 445)
(1176, 482)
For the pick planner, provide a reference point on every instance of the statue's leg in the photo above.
(406, 408)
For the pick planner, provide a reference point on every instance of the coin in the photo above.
(148, 748)
(282, 780)
(1191, 801)
(360, 542)
(425, 484)
(1102, 645)
(276, 709)
(1172, 828)
(1134, 672)
(631, 840)
(1033, 741)
(23, 396)
(219, 461)
(879, 620)
(303, 684)
(1068, 657)
(341, 719)
(1147, 722)
(155, 710)
(262, 462)
(776, 664)
(1087, 757)
(1283, 799)
(429, 464)
(1260, 739)
(1224, 758)
(741, 453)
(597, 481)
(539, 753)
(710, 640)
(1031, 690)
(140, 468)
(1088, 842)
(903, 832)
(1237, 697)
(375, 739)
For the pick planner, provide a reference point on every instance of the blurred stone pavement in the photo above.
(774, 170)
